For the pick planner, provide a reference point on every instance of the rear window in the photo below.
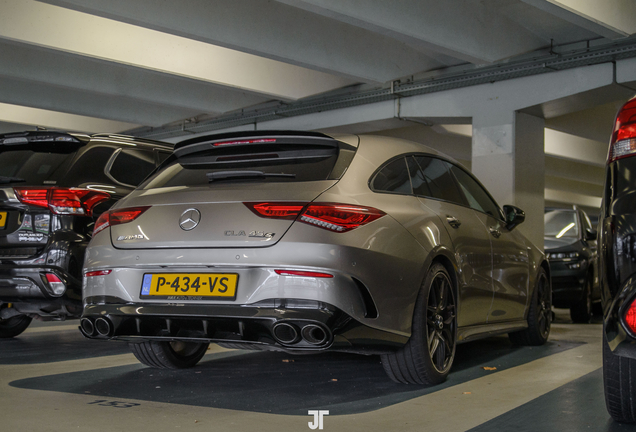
(43, 163)
(254, 163)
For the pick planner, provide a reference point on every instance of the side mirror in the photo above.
(514, 216)
(590, 234)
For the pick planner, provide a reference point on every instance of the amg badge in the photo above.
(258, 234)
(131, 237)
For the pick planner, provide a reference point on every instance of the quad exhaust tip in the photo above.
(286, 333)
(314, 335)
(87, 326)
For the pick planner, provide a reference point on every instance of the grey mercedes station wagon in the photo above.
(303, 242)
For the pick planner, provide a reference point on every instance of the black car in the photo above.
(617, 268)
(53, 186)
(570, 245)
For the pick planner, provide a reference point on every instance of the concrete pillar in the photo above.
(508, 158)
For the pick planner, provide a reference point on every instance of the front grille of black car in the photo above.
(17, 252)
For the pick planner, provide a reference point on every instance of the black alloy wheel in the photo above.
(539, 315)
(440, 323)
(428, 355)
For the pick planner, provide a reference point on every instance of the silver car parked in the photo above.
(303, 242)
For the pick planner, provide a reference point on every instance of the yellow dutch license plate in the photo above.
(190, 285)
(3, 219)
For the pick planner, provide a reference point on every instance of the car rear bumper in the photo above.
(291, 325)
(24, 283)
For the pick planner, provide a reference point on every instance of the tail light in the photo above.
(303, 273)
(339, 217)
(277, 210)
(623, 142)
(330, 216)
(630, 317)
(63, 201)
(118, 217)
(56, 284)
(97, 273)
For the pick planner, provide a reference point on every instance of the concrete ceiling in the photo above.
(121, 65)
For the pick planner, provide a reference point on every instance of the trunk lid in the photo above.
(220, 216)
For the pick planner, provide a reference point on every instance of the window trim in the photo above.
(384, 165)
(443, 159)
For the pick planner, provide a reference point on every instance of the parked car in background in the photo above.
(53, 185)
(303, 242)
(570, 246)
(617, 268)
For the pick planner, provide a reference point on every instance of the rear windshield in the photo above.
(258, 163)
(37, 164)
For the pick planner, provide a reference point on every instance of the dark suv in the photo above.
(570, 245)
(617, 268)
(53, 186)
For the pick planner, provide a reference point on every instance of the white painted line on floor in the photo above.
(46, 329)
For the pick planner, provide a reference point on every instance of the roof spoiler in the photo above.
(40, 136)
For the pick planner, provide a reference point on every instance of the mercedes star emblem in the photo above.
(189, 219)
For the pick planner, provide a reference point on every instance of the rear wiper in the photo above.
(5, 180)
(244, 175)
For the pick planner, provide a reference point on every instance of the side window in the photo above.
(89, 167)
(477, 197)
(439, 183)
(132, 166)
(393, 178)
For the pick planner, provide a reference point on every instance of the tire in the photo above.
(539, 315)
(14, 326)
(619, 382)
(428, 355)
(581, 312)
(169, 355)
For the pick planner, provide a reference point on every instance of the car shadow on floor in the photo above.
(280, 383)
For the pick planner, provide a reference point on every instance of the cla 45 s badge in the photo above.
(259, 234)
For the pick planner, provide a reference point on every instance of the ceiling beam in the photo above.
(80, 33)
(611, 19)
(22, 117)
(62, 69)
(566, 146)
(469, 30)
(88, 103)
(272, 30)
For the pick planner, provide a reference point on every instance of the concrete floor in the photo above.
(52, 379)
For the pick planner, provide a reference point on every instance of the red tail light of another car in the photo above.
(630, 317)
(330, 216)
(118, 217)
(62, 201)
(623, 142)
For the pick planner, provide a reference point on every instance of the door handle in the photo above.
(453, 221)
(495, 232)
